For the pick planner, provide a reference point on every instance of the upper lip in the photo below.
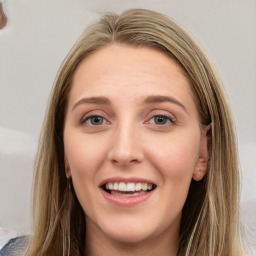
(126, 180)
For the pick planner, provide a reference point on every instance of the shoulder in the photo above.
(15, 247)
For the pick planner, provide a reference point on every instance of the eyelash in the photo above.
(169, 119)
(90, 117)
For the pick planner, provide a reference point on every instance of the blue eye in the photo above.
(94, 120)
(161, 120)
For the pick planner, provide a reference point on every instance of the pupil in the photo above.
(96, 120)
(160, 120)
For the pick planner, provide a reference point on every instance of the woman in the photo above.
(138, 153)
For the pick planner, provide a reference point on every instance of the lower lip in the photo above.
(126, 200)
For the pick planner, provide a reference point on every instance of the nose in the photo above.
(126, 146)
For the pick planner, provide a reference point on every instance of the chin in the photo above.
(127, 231)
(129, 236)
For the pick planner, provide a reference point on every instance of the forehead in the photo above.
(117, 69)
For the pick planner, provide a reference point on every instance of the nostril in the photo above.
(123, 157)
(124, 161)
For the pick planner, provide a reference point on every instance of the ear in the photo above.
(67, 167)
(203, 158)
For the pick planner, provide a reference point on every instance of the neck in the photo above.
(97, 244)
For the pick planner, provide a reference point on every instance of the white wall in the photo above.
(39, 35)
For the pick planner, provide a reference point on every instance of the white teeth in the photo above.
(138, 186)
(122, 186)
(150, 186)
(131, 186)
(110, 186)
(116, 186)
(144, 186)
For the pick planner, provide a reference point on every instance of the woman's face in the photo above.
(132, 143)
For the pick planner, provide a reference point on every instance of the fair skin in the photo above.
(131, 121)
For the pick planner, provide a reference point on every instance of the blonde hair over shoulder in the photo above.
(210, 224)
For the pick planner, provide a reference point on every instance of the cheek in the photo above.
(84, 160)
(83, 155)
(176, 156)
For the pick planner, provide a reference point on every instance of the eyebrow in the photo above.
(93, 100)
(159, 99)
(148, 100)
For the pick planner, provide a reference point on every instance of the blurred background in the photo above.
(40, 33)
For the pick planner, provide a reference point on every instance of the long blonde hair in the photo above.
(210, 223)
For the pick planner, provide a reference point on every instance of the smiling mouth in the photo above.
(128, 189)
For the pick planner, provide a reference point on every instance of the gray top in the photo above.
(15, 247)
